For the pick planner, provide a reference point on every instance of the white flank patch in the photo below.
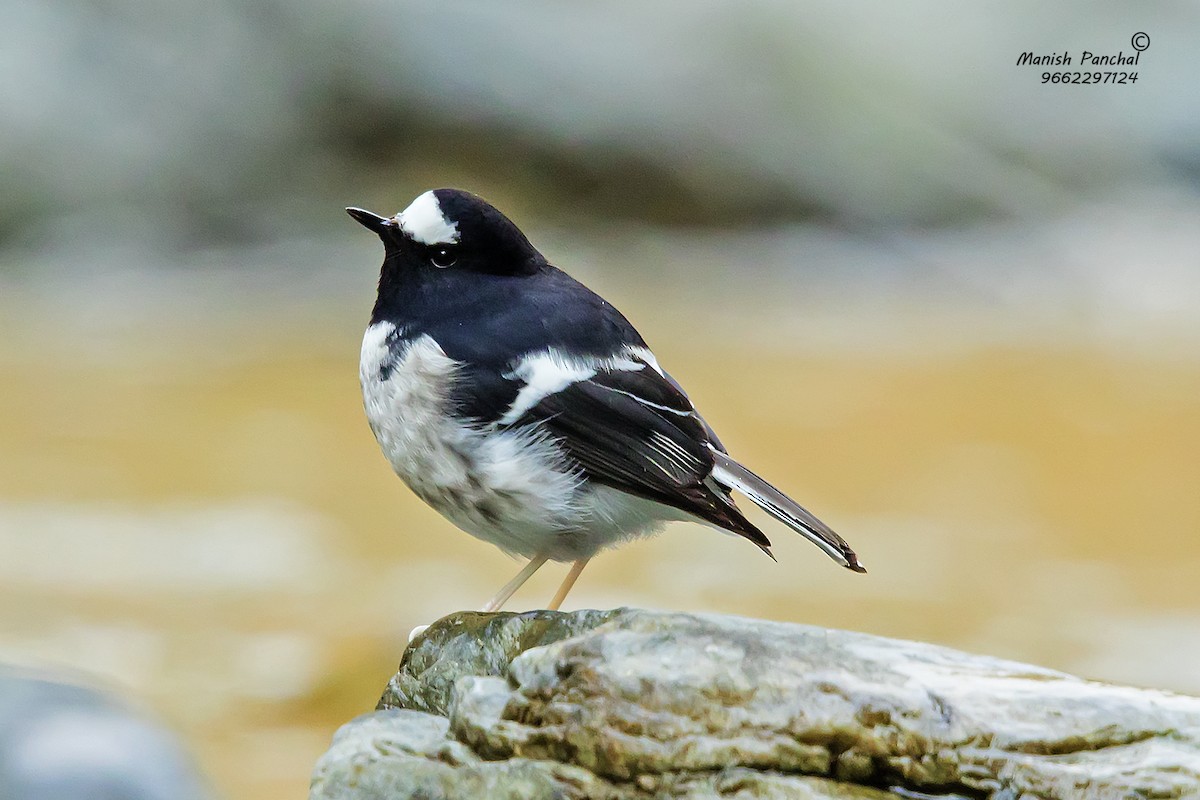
(424, 221)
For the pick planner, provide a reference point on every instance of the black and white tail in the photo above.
(732, 475)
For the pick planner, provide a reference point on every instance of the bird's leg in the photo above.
(567, 583)
(507, 590)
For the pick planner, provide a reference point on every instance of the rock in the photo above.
(62, 741)
(633, 704)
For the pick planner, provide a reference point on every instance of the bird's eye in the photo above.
(442, 258)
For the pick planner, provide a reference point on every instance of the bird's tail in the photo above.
(733, 475)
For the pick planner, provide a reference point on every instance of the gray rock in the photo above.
(63, 741)
(632, 703)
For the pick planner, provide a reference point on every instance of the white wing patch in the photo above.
(424, 221)
(644, 354)
(544, 374)
(550, 371)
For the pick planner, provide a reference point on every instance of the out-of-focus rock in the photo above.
(61, 741)
(633, 703)
(189, 124)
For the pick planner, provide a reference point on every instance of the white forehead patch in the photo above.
(424, 221)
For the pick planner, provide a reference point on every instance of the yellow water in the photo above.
(197, 513)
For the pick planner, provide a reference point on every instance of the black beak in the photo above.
(372, 222)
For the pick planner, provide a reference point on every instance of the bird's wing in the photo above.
(628, 426)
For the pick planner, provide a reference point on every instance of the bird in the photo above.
(528, 411)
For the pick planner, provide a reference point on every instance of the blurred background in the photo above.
(960, 309)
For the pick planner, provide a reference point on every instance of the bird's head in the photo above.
(449, 229)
